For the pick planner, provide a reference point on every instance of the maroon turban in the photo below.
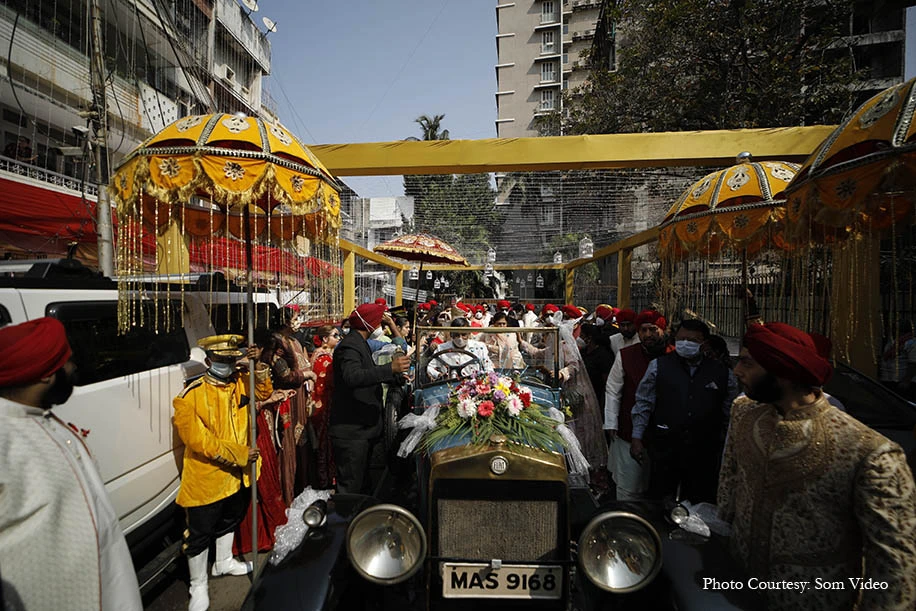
(604, 312)
(549, 308)
(381, 301)
(823, 344)
(367, 317)
(788, 353)
(626, 315)
(571, 311)
(651, 317)
(32, 350)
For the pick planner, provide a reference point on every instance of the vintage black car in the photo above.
(504, 526)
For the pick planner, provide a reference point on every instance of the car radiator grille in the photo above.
(516, 530)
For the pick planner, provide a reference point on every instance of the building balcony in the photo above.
(233, 19)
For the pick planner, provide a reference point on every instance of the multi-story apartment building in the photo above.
(539, 44)
(163, 60)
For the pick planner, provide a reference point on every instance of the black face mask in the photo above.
(766, 390)
(60, 390)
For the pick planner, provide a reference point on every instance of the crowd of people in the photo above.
(810, 492)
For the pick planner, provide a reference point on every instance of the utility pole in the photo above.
(98, 114)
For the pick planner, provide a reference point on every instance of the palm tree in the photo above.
(430, 127)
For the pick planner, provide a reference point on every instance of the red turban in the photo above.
(549, 308)
(604, 312)
(788, 353)
(823, 344)
(423, 307)
(626, 315)
(529, 307)
(433, 302)
(381, 301)
(32, 350)
(502, 303)
(367, 317)
(651, 317)
(571, 311)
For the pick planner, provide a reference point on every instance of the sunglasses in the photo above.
(335, 335)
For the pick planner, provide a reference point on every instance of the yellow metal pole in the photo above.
(624, 277)
(570, 282)
(349, 279)
(399, 287)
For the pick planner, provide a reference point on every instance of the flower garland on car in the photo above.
(489, 404)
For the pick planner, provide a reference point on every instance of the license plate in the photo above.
(473, 580)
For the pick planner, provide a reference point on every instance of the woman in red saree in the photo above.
(326, 340)
(271, 508)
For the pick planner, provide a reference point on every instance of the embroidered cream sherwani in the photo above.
(61, 546)
(819, 495)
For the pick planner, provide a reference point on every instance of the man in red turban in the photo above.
(626, 323)
(812, 494)
(51, 488)
(356, 420)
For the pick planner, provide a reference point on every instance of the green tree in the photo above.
(459, 208)
(701, 64)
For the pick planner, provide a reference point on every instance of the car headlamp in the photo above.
(315, 514)
(620, 552)
(386, 544)
(679, 514)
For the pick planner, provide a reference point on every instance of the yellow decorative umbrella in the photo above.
(863, 176)
(738, 208)
(209, 176)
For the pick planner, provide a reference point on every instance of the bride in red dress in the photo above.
(326, 340)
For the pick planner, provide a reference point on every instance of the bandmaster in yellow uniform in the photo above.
(211, 416)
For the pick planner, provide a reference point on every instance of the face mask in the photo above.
(222, 370)
(377, 333)
(478, 315)
(345, 330)
(687, 348)
(460, 342)
(60, 390)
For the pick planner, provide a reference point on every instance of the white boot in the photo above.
(225, 564)
(200, 597)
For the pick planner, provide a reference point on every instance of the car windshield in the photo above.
(450, 353)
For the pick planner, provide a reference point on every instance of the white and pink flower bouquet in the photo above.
(490, 404)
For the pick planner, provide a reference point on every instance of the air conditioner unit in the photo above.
(576, 35)
(589, 32)
(224, 71)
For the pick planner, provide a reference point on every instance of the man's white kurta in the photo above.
(61, 546)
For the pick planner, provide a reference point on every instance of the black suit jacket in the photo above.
(357, 398)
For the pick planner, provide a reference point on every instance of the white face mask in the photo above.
(460, 342)
(377, 333)
(345, 330)
(478, 315)
(222, 370)
(687, 348)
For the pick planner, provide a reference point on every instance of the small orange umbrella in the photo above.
(421, 247)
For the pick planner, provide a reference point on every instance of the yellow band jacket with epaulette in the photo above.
(212, 421)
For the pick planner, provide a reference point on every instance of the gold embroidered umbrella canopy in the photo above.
(862, 178)
(739, 208)
(720, 220)
(208, 177)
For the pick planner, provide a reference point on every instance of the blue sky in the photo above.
(363, 70)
